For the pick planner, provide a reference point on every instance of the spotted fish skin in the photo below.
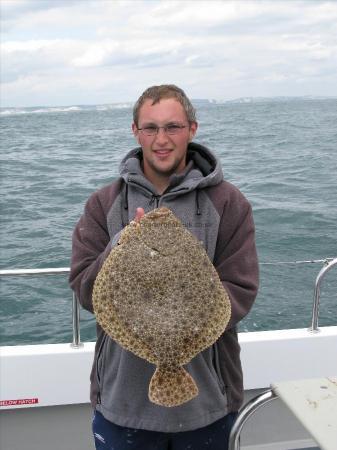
(172, 386)
(159, 296)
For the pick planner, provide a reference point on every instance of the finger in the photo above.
(139, 214)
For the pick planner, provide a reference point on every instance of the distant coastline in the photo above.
(265, 99)
(16, 110)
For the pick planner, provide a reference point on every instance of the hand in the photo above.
(139, 214)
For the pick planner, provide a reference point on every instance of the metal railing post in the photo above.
(76, 343)
(76, 324)
(315, 308)
(250, 408)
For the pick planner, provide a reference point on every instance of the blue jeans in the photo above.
(109, 436)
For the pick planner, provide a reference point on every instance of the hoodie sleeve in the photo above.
(91, 244)
(236, 257)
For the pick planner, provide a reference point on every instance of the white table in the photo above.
(312, 401)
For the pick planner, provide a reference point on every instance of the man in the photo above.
(168, 169)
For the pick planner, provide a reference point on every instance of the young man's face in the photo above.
(163, 154)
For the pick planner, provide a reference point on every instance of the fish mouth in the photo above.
(157, 213)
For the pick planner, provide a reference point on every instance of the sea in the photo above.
(280, 152)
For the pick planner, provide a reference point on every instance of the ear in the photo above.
(193, 130)
(135, 132)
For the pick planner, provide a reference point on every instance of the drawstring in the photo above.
(197, 202)
(125, 206)
(126, 200)
(154, 198)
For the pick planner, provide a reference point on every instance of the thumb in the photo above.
(139, 214)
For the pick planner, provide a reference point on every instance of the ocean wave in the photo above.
(62, 109)
(11, 112)
(42, 110)
(113, 106)
(53, 162)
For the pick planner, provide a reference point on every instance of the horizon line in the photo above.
(208, 100)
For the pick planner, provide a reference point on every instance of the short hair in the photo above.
(157, 93)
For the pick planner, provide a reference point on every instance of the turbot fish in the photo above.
(159, 296)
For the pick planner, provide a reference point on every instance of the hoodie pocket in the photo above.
(100, 363)
(108, 370)
(216, 365)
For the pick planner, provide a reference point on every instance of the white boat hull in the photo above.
(44, 389)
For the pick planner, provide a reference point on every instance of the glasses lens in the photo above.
(173, 129)
(150, 130)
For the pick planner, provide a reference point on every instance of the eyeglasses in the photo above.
(170, 128)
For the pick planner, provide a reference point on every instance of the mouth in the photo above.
(162, 153)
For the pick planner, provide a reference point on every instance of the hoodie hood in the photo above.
(203, 169)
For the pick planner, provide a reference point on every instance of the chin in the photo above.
(167, 170)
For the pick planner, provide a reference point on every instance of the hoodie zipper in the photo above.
(142, 188)
(154, 197)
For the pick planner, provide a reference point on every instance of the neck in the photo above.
(161, 183)
(159, 180)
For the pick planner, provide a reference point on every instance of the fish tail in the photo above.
(172, 387)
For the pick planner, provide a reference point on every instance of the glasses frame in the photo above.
(164, 127)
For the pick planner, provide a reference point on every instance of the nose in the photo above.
(161, 137)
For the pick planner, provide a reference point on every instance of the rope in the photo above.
(311, 261)
(54, 271)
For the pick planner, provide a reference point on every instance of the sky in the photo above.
(82, 52)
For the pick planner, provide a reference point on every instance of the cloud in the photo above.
(15, 9)
(22, 59)
(215, 48)
(24, 14)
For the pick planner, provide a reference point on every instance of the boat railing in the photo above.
(317, 294)
(328, 263)
(76, 342)
(260, 400)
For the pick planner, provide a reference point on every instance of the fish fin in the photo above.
(172, 387)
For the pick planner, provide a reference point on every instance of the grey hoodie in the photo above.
(218, 215)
